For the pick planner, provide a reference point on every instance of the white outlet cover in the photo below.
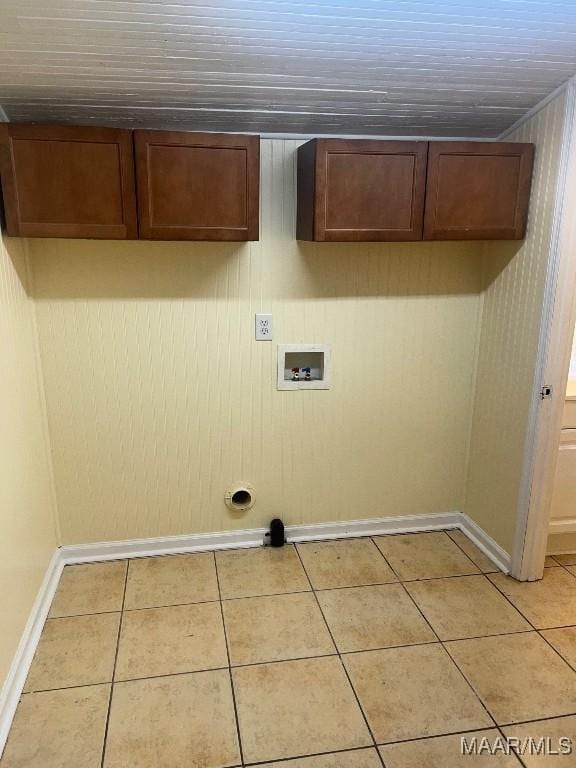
(264, 329)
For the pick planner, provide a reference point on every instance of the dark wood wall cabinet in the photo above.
(356, 190)
(477, 190)
(197, 186)
(361, 190)
(69, 181)
(66, 181)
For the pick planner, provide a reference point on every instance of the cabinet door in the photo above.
(563, 505)
(197, 186)
(67, 181)
(477, 190)
(361, 190)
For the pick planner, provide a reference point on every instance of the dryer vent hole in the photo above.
(241, 498)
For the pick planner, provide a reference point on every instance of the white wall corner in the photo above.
(3, 115)
(42, 394)
(14, 683)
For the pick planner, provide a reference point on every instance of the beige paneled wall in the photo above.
(159, 397)
(27, 520)
(514, 277)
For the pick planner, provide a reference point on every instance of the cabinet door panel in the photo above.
(569, 415)
(361, 190)
(477, 190)
(563, 505)
(67, 181)
(196, 186)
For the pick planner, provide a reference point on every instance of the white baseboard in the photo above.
(376, 526)
(166, 545)
(485, 543)
(120, 550)
(562, 526)
(14, 683)
(254, 537)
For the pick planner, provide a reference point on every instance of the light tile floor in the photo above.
(339, 654)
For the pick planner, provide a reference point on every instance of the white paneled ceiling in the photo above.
(396, 67)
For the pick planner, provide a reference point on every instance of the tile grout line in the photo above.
(282, 661)
(466, 555)
(236, 718)
(537, 720)
(556, 651)
(537, 630)
(425, 618)
(566, 568)
(476, 572)
(525, 722)
(295, 592)
(496, 570)
(516, 755)
(64, 688)
(358, 702)
(539, 633)
(311, 754)
(379, 551)
(105, 741)
(474, 692)
(407, 741)
(80, 615)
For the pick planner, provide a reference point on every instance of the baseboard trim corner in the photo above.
(485, 543)
(18, 672)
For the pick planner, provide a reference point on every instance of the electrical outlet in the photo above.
(263, 327)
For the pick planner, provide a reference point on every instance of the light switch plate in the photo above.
(264, 328)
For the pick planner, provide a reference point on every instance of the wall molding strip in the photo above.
(562, 526)
(18, 672)
(485, 543)
(254, 537)
(367, 136)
